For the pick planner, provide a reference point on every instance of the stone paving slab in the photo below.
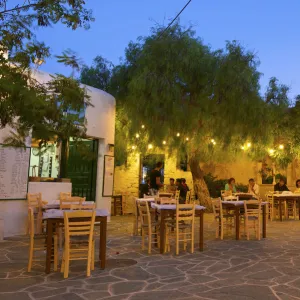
(234, 270)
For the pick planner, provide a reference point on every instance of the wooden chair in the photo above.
(177, 195)
(37, 242)
(83, 206)
(64, 195)
(165, 195)
(35, 202)
(150, 227)
(253, 217)
(148, 196)
(79, 224)
(184, 227)
(117, 204)
(188, 197)
(166, 200)
(274, 206)
(66, 203)
(221, 219)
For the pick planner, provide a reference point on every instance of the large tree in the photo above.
(181, 97)
(25, 103)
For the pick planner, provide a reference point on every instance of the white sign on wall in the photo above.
(14, 172)
(108, 178)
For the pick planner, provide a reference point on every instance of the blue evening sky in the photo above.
(268, 27)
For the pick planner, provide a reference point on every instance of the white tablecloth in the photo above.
(55, 204)
(173, 206)
(240, 203)
(58, 213)
(145, 199)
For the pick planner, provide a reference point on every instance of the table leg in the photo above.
(201, 239)
(136, 225)
(49, 245)
(162, 231)
(280, 209)
(264, 221)
(102, 244)
(237, 223)
(115, 207)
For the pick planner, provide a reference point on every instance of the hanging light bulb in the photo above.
(137, 135)
(271, 151)
(242, 147)
(187, 139)
(143, 126)
(150, 146)
(178, 134)
(212, 140)
(248, 145)
(281, 147)
(164, 142)
(133, 147)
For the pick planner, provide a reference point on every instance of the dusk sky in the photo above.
(270, 28)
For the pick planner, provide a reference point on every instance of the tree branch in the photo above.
(18, 8)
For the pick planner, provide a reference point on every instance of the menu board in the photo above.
(108, 178)
(14, 172)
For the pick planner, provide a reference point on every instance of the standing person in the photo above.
(230, 186)
(253, 188)
(281, 186)
(183, 182)
(171, 188)
(182, 195)
(155, 183)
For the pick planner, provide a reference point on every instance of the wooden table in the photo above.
(55, 218)
(165, 210)
(236, 206)
(286, 197)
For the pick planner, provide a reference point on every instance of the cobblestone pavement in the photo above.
(229, 269)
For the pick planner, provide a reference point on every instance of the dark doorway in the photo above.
(82, 169)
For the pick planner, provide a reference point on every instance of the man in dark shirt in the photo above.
(182, 190)
(280, 186)
(183, 182)
(155, 174)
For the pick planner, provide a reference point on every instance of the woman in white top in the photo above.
(253, 188)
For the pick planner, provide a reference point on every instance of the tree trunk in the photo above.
(200, 186)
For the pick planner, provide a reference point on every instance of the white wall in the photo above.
(100, 125)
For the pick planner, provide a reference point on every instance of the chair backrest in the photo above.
(31, 222)
(177, 195)
(64, 195)
(34, 200)
(166, 200)
(185, 213)
(252, 208)
(79, 223)
(231, 198)
(148, 196)
(217, 207)
(165, 195)
(83, 206)
(270, 196)
(66, 203)
(188, 197)
(144, 212)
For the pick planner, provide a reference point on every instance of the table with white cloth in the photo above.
(165, 210)
(281, 198)
(56, 204)
(236, 207)
(54, 217)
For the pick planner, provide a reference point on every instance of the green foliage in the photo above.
(27, 104)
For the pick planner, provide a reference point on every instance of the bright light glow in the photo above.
(143, 126)
(242, 147)
(178, 134)
(271, 151)
(137, 135)
(133, 147)
(150, 146)
(281, 147)
(212, 140)
(164, 142)
(248, 145)
(187, 139)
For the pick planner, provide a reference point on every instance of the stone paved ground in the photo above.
(229, 269)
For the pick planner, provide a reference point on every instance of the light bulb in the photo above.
(271, 151)
(133, 147)
(212, 140)
(164, 142)
(150, 146)
(178, 134)
(137, 135)
(242, 147)
(143, 126)
(281, 147)
(248, 145)
(187, 139)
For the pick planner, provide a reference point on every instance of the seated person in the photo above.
(280, 186)
(297, 190)
(253, 188)
(183, 182)
(182, 195)
(172, 187)
(230, 187)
